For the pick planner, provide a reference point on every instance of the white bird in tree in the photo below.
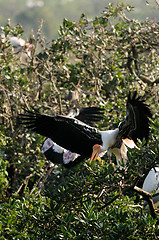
(151, 184)
(80, 138)
(19, 44)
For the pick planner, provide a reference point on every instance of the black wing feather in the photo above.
(53, 156)
(136, 124)
(89, 115)
(67, 132)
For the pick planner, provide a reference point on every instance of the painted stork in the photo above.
(19, 44)
(151, 184)
(80, 138)
(59, 155)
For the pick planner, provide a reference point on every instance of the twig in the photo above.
(109, 202)
(148, 80)
(123, 190)
(39, 179)
(25, 181)
(55, 87)
(144, 78)
(42, 184)
(157, 2)
(58, 93)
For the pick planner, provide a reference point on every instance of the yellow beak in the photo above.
(96, 151)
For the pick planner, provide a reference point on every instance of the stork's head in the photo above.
(95, 153)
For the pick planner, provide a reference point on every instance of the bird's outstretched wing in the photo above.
(136, 124)
(58, 155)
(89, 115)
(67, 132)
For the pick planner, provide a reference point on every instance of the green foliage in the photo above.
(99, 61)
(3, 173)
(28, 14)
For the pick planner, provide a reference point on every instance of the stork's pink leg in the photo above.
(110, 161)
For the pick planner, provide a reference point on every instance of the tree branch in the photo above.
(148, 198)
(148, 80)
(123, 190)
(157, 2)
(143, 78)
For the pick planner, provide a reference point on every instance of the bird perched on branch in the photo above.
(80, 138)
(19, 44)
(151, 184)
(151, 181)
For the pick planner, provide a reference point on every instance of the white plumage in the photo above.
(63, 155)
(151, 181)
(151, 184)
(19, 44)
(108, 138)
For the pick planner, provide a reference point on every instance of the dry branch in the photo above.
(122, 190)
(148, 198)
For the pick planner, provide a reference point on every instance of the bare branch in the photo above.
(148, 80)
(157, 2)
(143, 78)
(123, 191)
(148, 197)
(25, 182)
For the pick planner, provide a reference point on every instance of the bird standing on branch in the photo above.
(151, 184)
(80, 138)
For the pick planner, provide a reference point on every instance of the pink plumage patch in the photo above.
(47, 144)
(69, 156)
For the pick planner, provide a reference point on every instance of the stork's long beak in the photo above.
(96, 151)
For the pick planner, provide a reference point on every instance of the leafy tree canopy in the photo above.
(101, 61)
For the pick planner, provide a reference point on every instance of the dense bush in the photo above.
(91, 63)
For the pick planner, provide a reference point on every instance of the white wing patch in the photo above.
(67, 155)
(48, 144)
